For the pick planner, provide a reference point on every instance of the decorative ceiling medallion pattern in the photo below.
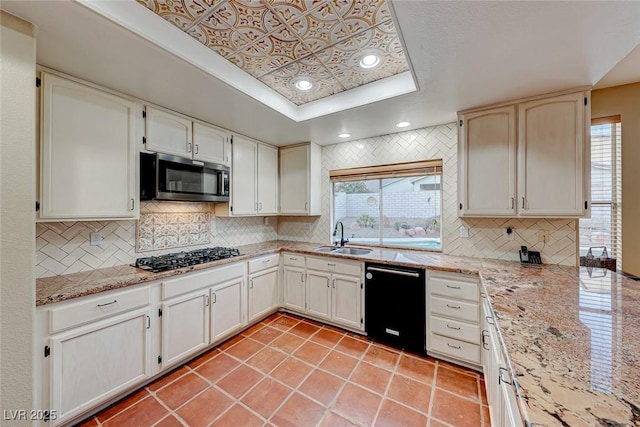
(279, 41)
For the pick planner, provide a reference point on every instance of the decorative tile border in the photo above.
(157, 231)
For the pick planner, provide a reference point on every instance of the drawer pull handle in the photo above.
(453, 287)
(453, 327)
(490, 320)
(485, 336)
(331, 264)
(293, 259)
(457, 307)
(264, 261)
(107, 304)
(457, 347)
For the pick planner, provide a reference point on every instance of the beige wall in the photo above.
(625, 101)
(17, 214)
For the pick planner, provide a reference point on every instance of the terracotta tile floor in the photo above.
(288, 371)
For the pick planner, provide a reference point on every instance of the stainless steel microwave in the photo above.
(167, 177)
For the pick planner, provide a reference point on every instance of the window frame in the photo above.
(379, 173)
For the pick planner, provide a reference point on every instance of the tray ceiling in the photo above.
(281, 42)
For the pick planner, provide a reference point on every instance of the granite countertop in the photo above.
(572, 335)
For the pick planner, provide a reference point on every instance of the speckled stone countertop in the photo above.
(572, 335)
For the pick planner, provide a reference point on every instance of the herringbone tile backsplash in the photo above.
(438, 142)
(63, 247)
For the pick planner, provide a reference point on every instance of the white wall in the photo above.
(436, 142)
(17, 213)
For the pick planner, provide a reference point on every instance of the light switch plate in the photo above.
(464, 232)
(95, 239)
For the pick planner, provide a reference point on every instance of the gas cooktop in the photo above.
(172, 261)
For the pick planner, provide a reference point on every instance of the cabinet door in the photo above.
(185, 327)
(346, 301)
(210, 144)
(294, 180)
(87, 152)
(319, 294)
(510, 412)
(487, 163)
(494, 393)
(267, 180)
(243, 179)
(294, 285)
(551, 146)
(263, 293)
(226, 309)
(168, 133)
(97, 362)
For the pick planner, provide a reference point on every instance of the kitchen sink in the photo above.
(342, 250)
(351, 251)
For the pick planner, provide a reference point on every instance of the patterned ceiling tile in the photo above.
(181, 13)
(279, 41)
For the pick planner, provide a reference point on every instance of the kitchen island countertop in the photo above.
(572, 335)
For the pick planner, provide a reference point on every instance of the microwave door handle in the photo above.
(220, 183)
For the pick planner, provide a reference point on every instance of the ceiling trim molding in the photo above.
(140, 21)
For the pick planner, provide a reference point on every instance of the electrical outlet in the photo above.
(95, 239)
(464, 232)
(543, 236)
(507, 233)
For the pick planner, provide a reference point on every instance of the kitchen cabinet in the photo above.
(200, 309)
(263, 286)
(254, 180)
(300, 187)
(83, 364)
(335, 291)
(293, 282)
(526, 159)
(172, 133)
(454, 318)
(87, 157)
(501, 397)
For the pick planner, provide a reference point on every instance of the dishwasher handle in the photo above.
(398, 272)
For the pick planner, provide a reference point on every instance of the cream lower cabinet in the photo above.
(87, 157)
(293, 282)
(454, 318)
(84, 362)
(200, 309)
(501, 395)
(527, 159)
(263, 286)
(335, 291)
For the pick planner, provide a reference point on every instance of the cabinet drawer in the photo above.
(455, 348)
(294, 260)
(454, 308)
(194, 281)
(330, 264)
(455, 329)
(263, 263)
(96, 308)
(454, 288)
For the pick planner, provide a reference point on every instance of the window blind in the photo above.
(396, 170)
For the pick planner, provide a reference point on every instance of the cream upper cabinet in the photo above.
(267, 182)
(168, 133)
(172, 133)
(254, 180)
(551, 156)
(527, 159)
(300, 180)
(487, 162)
(87, 157)
(211, 144)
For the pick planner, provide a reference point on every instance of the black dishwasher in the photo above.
(395, 306)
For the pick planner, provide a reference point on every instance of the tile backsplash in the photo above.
(63, 247)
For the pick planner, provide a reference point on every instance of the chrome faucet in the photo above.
(335, 231)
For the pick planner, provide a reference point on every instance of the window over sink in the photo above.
(391, 205)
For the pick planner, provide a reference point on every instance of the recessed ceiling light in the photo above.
(344, 135)
(402, 124)
(369, 61)
(303, 84)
